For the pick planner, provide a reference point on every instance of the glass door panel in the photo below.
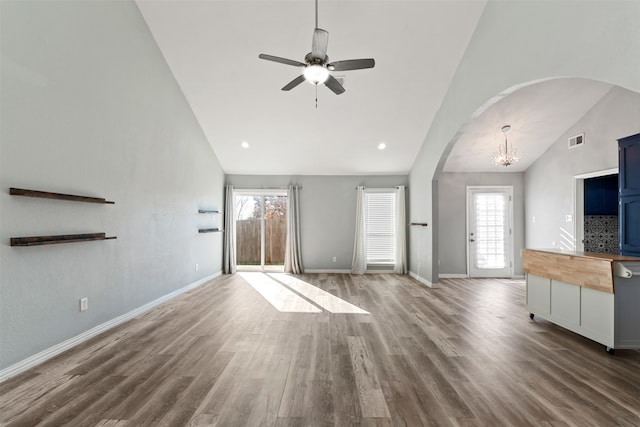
(275, 227)
(248, 215)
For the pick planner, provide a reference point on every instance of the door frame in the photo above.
(259, 192)
(578, 198)
(509, 240)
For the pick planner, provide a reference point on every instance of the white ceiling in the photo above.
(212, 48)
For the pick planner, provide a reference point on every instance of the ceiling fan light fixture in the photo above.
(316, 74)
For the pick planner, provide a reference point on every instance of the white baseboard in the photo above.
(50, 352)
(466, 276)
(424, 281)
(320, 270)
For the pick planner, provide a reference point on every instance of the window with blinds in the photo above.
(380, 229)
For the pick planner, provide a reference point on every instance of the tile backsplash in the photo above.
(601, 233)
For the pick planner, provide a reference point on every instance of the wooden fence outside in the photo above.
(248, 241)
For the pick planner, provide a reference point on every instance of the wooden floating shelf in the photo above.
(61, 238)
(207, 211)
(210, 230)
(57, 196)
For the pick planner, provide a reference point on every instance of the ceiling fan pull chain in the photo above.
(316, 89)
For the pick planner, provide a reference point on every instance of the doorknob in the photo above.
(472, 240)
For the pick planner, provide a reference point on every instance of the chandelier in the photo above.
(505, 156)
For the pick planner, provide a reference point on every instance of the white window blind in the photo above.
(490, 226)
(380, 219)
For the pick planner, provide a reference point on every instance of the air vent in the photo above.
(576, 141)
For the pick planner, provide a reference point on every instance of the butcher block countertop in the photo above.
(588, 269)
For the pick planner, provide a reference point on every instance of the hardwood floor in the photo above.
(466, 354)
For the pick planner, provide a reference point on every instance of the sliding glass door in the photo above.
(261, 227)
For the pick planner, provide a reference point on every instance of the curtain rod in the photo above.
(265, 188)
(382, 188)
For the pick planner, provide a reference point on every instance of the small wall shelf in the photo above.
(61, 238)
(213, 229)
(57, 196)
(210, 230)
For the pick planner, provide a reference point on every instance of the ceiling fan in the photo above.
(316, 65)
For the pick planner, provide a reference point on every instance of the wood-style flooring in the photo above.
(466, 354)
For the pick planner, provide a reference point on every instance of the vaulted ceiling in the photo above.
(212, 48)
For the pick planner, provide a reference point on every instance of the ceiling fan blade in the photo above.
(281, 60)
(293, 83)
(352, 64)
(334, 85)
(319, 44)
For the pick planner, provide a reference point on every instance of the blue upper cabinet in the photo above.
(629, 184)
(601, 195)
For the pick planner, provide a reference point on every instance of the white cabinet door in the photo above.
(565, 304)
(597, 316)
(538, 295)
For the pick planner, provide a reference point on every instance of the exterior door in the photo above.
(489, 232)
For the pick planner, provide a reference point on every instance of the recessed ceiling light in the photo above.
(382, 146)
(245, 144)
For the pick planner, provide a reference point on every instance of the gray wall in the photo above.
(515, 44)
(550, 183)
(452, 205)
(90, 107)
(327, 212)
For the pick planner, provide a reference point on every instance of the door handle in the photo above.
(472, 240)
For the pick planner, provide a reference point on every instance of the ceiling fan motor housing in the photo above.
(309, 59)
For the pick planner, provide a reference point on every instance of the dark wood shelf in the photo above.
(210, 230)
(57, 196)
(208, 211)
(61, 238)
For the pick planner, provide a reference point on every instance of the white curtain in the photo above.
(293, 251)
(359, 263)
(229, 249)
(400, 266)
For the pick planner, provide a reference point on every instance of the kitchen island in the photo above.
(595, 295)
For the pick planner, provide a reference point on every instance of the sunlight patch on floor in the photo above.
(324, 299)
(290, 294)
(281, 298)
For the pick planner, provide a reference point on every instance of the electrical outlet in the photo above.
(335, 259)
(84, 304)
(197, 267)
